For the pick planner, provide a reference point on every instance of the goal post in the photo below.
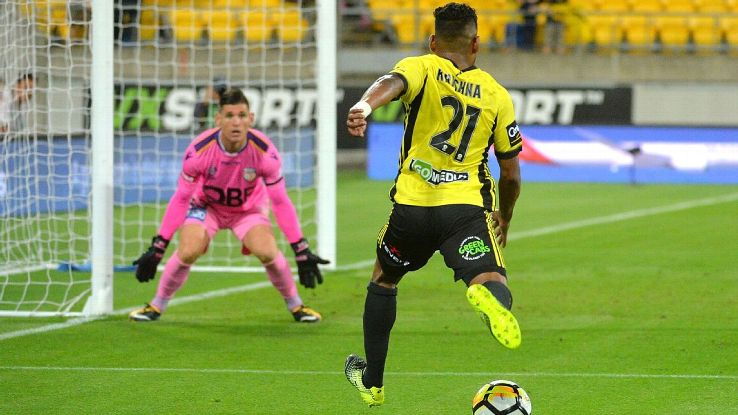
(84, 184)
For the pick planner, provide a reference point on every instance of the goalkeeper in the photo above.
(229, 175)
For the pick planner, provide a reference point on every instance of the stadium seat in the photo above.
(381, 10)
(492, 27)
(583, 5)
(646, 6)
(148, 24)
(638, 31)
(51, 18)
(613, 6)
(221, 25)
(257, 25)
(412, 27)
(187, 24)
(711, 6)
(605, 30)
(290, 25)
(679, 6)
(673, 31)
(729, 26)
(705, 31)
(231, 5)
(265, 4)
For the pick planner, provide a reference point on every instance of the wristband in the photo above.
(364, 106)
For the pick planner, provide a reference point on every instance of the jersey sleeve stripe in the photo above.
(206, 141)
(258, 142)
(274, 182)
(407, 138)
(510, 154)
(404, 82)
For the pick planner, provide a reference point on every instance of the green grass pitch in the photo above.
(627, 297)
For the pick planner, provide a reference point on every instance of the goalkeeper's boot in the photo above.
(147, 313)
(498, 319)
(354, 369)
(305, 314)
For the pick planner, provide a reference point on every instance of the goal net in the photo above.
(169, 60)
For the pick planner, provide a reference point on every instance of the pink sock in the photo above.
(174, 276)
(281, 277)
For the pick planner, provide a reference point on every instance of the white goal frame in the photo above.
(102, 90)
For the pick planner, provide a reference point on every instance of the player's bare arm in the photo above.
(381, 92)
(509, 185)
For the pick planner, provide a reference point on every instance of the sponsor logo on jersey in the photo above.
(473, 247)
(196, 212)
(249, 174)
(436, 177)
(513, 134)
(394, 254)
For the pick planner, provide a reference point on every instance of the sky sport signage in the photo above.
(171, 108)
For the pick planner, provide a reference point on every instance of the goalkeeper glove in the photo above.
(307, 264)
(148, 261)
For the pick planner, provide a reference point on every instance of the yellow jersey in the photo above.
(452, 119)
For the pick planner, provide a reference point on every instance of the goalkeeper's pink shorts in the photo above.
(240, 223)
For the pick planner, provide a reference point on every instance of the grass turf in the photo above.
(626, 316)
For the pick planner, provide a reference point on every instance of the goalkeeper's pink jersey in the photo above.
(231, 183)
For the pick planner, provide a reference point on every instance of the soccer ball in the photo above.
(501, 397)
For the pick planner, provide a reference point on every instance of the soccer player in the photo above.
(444, 195)
(229, 176)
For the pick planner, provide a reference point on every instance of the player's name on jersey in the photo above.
(467, 88)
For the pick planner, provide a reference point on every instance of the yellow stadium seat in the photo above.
(51, 18)
(221, 25)
(711, 6)
(638, 30)
(290, 25)
(381, 10)
(729, 27)
(613, 6)
(187, 24)
(265, 4)
(412, 27)
(705, 31)
(257, 25)
(646, 6)
(673, 30)
(230, 4)
(605, 30)
(679, 6)
(148, 24)
(492, 27)
(583, 5)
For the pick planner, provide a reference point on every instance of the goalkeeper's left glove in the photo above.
(307, 264)
(148, 261)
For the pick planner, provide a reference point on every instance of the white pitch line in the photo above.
(638, 213)
(337, 373)
(618, 217)
(182, 300)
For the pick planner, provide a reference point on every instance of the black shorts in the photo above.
(463, 233)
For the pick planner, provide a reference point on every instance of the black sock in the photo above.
(501, 293)
(380, 310)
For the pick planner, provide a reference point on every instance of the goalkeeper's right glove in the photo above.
(148, 261)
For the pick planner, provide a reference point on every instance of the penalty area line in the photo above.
(393, 374)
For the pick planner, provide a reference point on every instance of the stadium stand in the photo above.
(626, 25)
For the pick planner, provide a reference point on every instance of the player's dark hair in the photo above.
(233, 96)
(455, 21)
